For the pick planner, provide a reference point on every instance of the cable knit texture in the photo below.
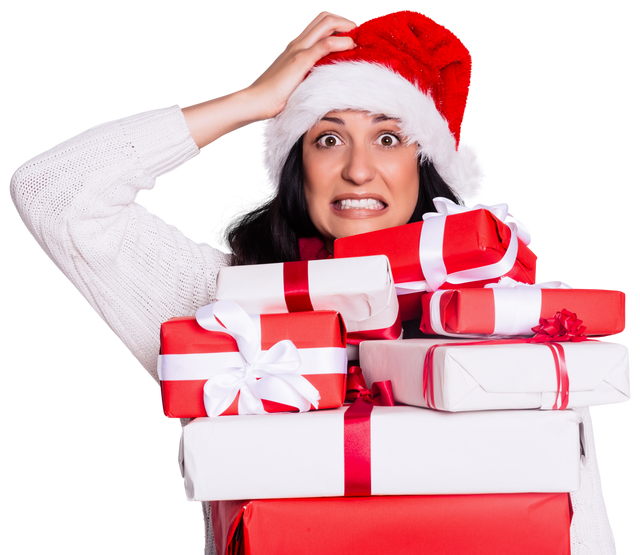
(78, 201)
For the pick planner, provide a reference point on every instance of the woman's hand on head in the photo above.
(274, 87)
(267, 96)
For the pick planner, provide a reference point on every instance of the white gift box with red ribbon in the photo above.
(412, 451)
(360, 289)
(471, 376)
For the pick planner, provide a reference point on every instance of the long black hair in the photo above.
(270, 233)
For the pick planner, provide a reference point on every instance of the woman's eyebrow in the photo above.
(337, 121)
(377, 119)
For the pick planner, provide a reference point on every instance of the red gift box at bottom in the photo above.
(505, 524)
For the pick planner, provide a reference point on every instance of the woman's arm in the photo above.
(78, 201)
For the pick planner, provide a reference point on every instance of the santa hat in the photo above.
(404, 66)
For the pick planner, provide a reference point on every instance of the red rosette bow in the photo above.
(564, 326)
(380, 394)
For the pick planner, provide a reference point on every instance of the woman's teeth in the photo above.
(362, 204)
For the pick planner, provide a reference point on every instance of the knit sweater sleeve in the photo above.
(78, 201)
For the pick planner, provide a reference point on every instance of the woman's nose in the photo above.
(359, 165)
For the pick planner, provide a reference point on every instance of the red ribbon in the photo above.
(562, 375)
(357, 430)
(296, 296)
(380, 394)
(296, 286)
(392, 332)
(564, 326)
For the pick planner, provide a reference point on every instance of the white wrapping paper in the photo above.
(487, 377)
(361, 289)
(413, 451)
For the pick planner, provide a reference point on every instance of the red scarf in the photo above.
(313, 248)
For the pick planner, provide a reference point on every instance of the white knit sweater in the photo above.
(78, 200)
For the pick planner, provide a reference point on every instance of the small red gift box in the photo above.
(515, 310)
(507, 524)
(194, 359)
(469, 249)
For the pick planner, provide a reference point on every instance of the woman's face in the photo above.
(359, 175)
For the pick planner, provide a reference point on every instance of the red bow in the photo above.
(564, 326)
(380, 394)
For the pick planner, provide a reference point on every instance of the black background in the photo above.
(92, 462)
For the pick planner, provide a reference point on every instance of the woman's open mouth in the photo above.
(358, 204)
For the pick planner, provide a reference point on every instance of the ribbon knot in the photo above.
(432, 240)
(380, 394)
(564, 326)
(446, 207)
(272, 375)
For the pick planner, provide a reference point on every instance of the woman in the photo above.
(353, 162)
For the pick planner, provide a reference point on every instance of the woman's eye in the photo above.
(329, 141)
(388, 140)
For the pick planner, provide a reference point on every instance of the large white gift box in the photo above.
(464, 376)
(360, 289)
(412, 451)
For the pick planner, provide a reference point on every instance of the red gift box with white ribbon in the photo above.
(251, 364)
(507, 524)
(452, 248)
(515, 308)
(361, 290)
(467, 375)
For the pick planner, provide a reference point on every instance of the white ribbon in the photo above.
(517, 307)
(506, 282)
(203, 366)
(500, 211)
(276, 368)
(432, 241)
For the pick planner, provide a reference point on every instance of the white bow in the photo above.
(506, 281)
(270, 375)
(500, 211)
(432, 240)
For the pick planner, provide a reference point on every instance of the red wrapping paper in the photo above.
(184, 398)
(472, 311)
(507, 524)
(471, 239)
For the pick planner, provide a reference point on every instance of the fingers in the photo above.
(331, 44)
(327, 26)
(321, 14)
(318, 40)
(323, 26)
(272, 89)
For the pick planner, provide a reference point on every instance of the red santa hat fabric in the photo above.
(404, 66)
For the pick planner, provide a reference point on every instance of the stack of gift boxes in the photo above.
(432, 451)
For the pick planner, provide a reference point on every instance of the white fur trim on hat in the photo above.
(374, 89)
